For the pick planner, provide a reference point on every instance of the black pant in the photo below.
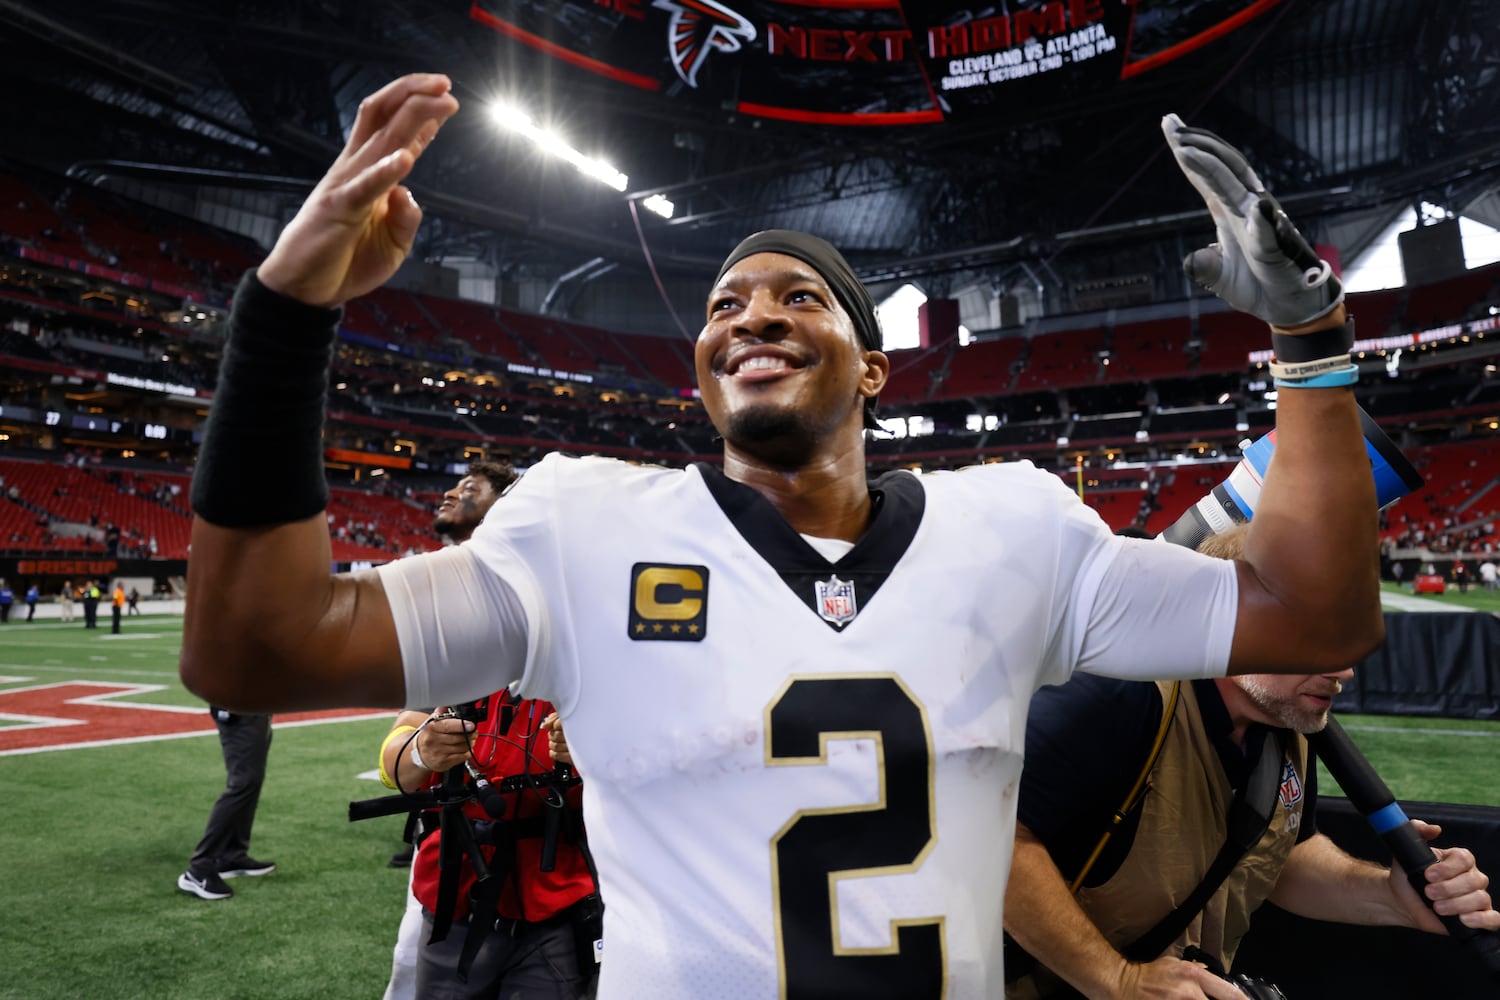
(115, 626)
(30, 610)
(246, 742)
(516, 960)
(90, 613)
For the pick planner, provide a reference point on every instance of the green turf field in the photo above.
(1475, 597)
(94, 838)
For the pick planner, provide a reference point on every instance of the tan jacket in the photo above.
(1183, 825)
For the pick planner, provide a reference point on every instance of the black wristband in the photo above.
(261, 460)
(1294, 348)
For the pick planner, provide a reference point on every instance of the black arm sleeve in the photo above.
(261, 460)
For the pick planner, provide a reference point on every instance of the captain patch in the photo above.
(668, 602)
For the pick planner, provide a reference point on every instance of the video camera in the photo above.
(1255, 989)
(470, 711)
(466, 781)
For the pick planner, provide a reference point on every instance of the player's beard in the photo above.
(1285, 712)
(776, 433)
(458, 522)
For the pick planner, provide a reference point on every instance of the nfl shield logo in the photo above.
(836, 602)
(1291, 786)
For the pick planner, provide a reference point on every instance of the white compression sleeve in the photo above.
(463, 630)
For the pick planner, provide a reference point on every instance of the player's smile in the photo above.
(758, 363)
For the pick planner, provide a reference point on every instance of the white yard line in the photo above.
(1406, 602)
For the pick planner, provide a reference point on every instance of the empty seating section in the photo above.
(605, 349)
(1117, 505)
(913, 372)
(536, 332)
(1150, 350)
(1062, 360)
(667, 359)
(142, 505)
(475, 323)
(1376, 314)
(403, 316)
(1443, 302)
(225, 259)
(1180, 490)
(574, 347)
(95, 226)
(981, 369)
(370, 526)
(125, 241)
(1228, 338)
(1461, 489)
(92, 224)
(359, 318)
(25, 215)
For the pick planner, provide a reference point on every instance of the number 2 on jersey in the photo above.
(819, 847)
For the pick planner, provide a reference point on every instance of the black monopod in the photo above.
(1369, 794)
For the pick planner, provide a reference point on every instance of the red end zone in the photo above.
(72, 714)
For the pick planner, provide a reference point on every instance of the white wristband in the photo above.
(416, 756)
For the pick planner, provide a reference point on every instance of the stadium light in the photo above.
(660, 205)
(513, 118)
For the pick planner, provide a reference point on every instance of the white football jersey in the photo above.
(800, 777)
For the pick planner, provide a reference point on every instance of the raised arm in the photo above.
(1309, 580)
(268, 626)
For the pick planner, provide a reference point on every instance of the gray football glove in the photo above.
(1260, 264)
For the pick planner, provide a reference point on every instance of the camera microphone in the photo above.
(490, 800)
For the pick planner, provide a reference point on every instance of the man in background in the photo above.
(530, 949)
(459, 513)
(117, 606)
(224, 850)
(91, 595)
(465, 505)
(1110, 919)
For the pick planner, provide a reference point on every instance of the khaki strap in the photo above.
(1138, 790)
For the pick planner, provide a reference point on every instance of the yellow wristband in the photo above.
(386, 779)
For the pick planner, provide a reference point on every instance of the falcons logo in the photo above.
(697, 28)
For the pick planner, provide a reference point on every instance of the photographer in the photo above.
(537, 927)
(1100, 921)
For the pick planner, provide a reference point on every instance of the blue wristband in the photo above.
(1327, 380)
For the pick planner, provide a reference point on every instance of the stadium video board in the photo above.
(866, 62)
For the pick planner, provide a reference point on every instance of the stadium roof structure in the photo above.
(930, 140)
